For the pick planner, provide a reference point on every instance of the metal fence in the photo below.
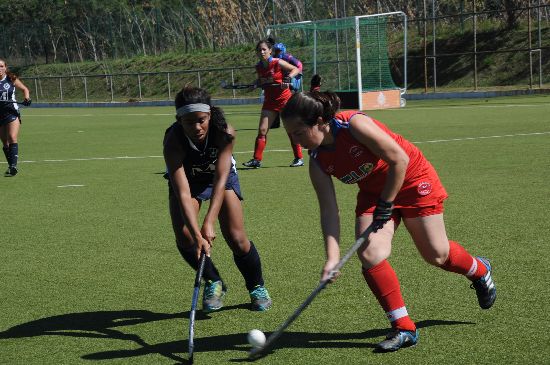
(128, 87)
(470, 51)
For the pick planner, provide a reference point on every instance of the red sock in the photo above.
(259, 147)
(461, 262)
(384, 284)
(297, 149)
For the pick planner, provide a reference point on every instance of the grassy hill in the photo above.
(502, 64)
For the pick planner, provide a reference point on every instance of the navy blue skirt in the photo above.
(203, 191)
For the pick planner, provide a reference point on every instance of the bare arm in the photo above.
(382, 145)
(173, 157)
(19, 84)
(223, 166)
(330, 216)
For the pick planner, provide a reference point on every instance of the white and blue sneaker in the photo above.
(397, 339)
(253, 163)
(485, 286)
(297, 162)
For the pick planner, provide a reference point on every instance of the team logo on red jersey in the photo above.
(330, 169)
(355, 151)
(424, 188)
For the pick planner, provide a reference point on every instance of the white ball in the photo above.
(256, 338)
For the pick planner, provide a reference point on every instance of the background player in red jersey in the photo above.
(272, 70)
(198, 151)
(396, 182)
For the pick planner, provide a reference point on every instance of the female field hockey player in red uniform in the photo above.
(198, 151)
(270, 71)
(10, 118)
(396, 182)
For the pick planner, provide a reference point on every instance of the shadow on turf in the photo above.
(103, 324)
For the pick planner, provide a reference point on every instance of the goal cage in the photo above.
(362, 58)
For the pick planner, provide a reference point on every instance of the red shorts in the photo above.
(412, 212)
(275, 100)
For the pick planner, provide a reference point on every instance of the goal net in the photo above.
(362, 58)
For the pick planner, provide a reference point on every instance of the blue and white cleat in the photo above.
(253, 163)
(297, 162)
(485, 286)
(396, 340)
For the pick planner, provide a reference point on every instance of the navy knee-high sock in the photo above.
(13, 153)
(250, 267)
(7, 154)
(210, 272)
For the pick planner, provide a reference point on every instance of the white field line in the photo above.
(233, 113)
(70, 186)
(288, 150)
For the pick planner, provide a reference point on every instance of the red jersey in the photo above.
(275, 97)
(353, 163)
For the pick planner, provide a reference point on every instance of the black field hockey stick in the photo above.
(225, 85)
(258, 352)
(12, 102)
(196, 291)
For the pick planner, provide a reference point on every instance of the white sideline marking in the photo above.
(255, 112)
(483, 137)
(70, 186)
(288, 150)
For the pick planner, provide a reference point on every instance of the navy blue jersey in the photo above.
(7, 93)
(200, 162)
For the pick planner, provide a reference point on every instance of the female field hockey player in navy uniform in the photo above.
(10, 118)
(270, 71)
(198, 151)
(396, 182)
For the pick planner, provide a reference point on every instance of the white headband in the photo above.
(190, 108)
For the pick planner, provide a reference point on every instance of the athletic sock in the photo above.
(259, 147)
(13, 153)
(384, 284)
(250, 267)
(7, 154)
(297, 149)
(461, 262)
(210, 272)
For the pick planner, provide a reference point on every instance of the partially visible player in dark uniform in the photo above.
(198, 151)
(396, 183)
(10, 119)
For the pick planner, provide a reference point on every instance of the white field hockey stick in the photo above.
(196, 291)
(258, 352)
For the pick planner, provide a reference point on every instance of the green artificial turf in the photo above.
(90, 274)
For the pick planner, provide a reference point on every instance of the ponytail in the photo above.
(309, 106)
(218, 121)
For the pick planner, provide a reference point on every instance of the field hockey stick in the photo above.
(11, 102)
(225, 85)
(196, 291)
(258, 352)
